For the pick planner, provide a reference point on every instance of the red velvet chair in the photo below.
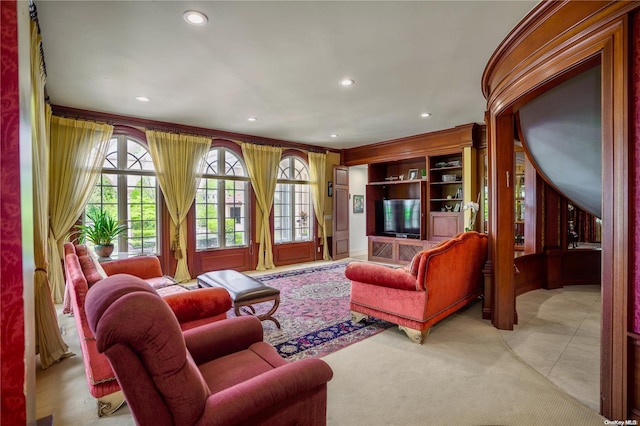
(438, 282)
(221, 373)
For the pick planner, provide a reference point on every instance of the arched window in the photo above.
(222, 201)
(292, 211)
(128, 191)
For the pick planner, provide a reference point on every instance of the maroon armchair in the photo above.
(438, 282)
(192, 308)
(221, 373)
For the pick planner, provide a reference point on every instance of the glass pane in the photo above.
(302, 213)
(138, 158)
(282, 213)
(207, 209)
(235, 213)
(211, 161)
(233, 166)
(111, 161)
(142, 214)
(301, 172)
(285, 171)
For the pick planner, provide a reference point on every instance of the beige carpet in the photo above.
(464, 375)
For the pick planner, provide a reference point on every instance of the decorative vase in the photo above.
(104, 250)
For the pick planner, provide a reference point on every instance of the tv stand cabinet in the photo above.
(396, 250)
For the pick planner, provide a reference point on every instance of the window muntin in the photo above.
(128, 190)
(292, 207)
(221, 202)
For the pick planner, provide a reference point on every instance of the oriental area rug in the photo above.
(313, 313)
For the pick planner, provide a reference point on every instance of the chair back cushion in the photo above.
(141, 336)
(457, 262)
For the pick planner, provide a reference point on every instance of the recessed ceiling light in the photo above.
(334, 135)
(425, 114)
(142, 98)
(346, 82)
(194, 17)
(252, 119)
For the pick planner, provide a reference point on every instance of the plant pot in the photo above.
(104, 250)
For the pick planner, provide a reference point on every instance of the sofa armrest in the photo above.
(144, 267)
(282, 385)
(198, 304)
(217, 339)
(371, 273)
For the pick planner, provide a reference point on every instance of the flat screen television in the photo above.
(400, 218)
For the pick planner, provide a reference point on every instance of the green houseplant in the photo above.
(101, 230)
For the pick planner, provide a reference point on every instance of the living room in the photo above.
(612, 247)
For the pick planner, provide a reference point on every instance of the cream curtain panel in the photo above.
(78, 149)
(179, 160)
(317, 170)
(49, 343)
(262, 164)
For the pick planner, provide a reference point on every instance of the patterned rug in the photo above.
(313, 312)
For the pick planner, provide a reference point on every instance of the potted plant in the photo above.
(101, 230)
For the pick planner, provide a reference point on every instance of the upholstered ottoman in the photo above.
(244, 291)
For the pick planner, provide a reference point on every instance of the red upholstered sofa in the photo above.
(191, 308)
(438, 282)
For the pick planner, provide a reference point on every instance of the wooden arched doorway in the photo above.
(554, 42)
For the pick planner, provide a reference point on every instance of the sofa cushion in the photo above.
(89, 269)
(201, 303)
(380, 275)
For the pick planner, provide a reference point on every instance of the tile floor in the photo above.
(558, 334)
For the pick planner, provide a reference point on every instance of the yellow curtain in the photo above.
(317, 170)
(49, 343)
(78, 149)
(262, 164)
(179, 160)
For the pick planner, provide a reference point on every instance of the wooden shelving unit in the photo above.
(446, 196)
(519, 195)
(385, 184)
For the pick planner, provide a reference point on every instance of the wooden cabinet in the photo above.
(445, 196)
(396, 250)
(440, 200)
(444, 225)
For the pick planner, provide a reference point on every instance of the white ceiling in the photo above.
(280, 62)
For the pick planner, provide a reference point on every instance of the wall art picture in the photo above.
(358, 203)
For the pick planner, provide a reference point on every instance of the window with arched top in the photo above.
(292, 210)
(222, 201)
(127, 190)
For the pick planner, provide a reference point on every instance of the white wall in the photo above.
(357, 221)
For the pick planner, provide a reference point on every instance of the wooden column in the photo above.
(501, 206)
